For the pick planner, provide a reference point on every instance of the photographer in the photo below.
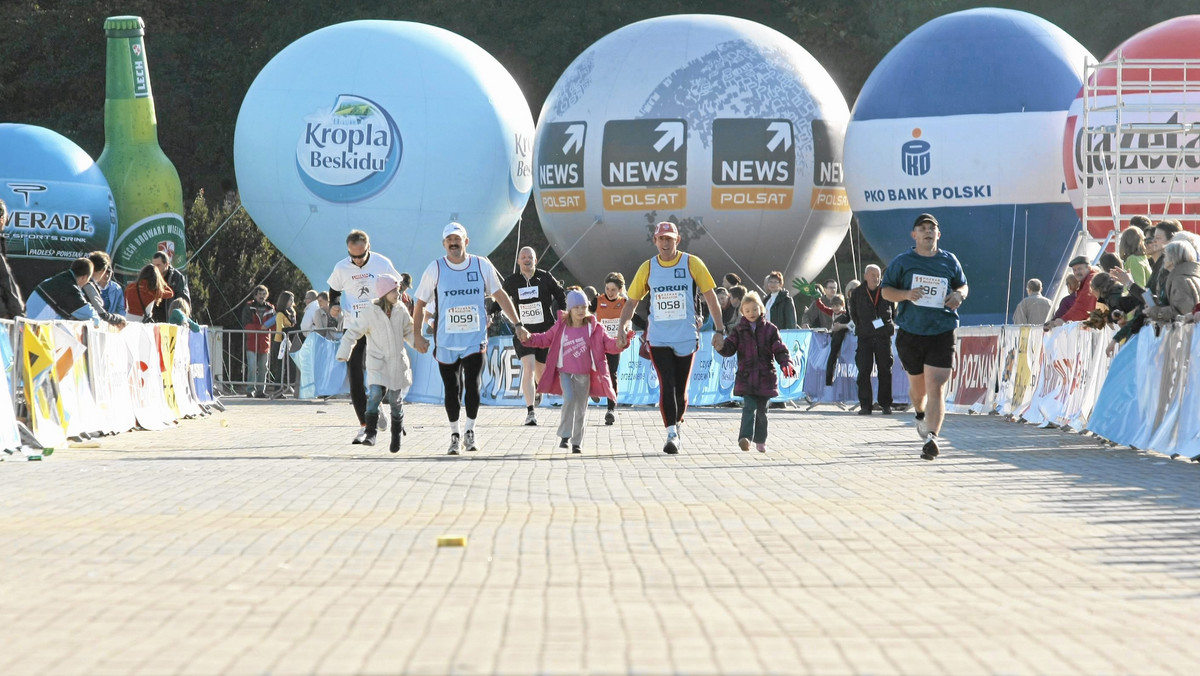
(258, 318)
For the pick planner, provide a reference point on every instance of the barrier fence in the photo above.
(1146, 397)
(70, 380)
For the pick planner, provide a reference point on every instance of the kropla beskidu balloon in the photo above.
(963, 119)
(391, 127)
(60, 206)
(722, 125)
(1160, 177)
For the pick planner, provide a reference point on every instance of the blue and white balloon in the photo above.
(964, 119)
(391, 127)
(60, 206)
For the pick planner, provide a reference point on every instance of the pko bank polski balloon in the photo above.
(722, 125)
(60, 206)
(392, 127)
(1162, 177)
(963, 119)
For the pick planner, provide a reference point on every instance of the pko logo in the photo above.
(349, 152)
(914, 155)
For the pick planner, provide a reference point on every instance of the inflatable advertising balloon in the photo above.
(391, 127)
(963, 119)
(60, 207)
(722, 125)
(1162, 177)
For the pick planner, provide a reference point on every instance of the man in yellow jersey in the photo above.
(672, 279)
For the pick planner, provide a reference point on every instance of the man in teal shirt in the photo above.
(929, 285)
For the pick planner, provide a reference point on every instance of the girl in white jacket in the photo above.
(388, 326)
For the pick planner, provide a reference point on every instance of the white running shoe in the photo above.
(362, 434)
(469, 441)
(922, 428)
(531, 419)
(672, 445)
(454, 445)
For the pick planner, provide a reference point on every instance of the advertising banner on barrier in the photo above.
(972, 386)
(10, 435)
(1176, 344)
(148, 385)
(1019, 360)
(1117, 414)
(111, 372)
(41, 384)
(1187, 437)
(1070, 374)
(200, 367)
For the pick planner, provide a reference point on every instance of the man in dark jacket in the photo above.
(11, 306)
(780, 310)
(61, 296)
(872, 315)
(174, 279)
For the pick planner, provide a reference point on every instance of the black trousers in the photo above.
(674, 372)
(358, 386)
(874, 351)
(614, 361)
(461, 379)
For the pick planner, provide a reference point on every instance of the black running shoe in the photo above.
(563, 443)
(930, 450)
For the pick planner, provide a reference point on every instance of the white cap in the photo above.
(454, 229)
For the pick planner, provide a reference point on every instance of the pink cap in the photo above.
(666, 229)
(384, 285)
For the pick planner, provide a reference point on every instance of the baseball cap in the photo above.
(384, 285)
(666, 229)
(453, 228)
(926, 218)
(575, 299)
(1079, 260)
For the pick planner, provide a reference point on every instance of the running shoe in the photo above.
(576, 450)
(563, 443)
(361, 436)
(922, 428)
(610, 418)
(761, 448)
(531, 419)
(744, 444)
(672, 445)
(930, 450)
(454, 445)
(469, 441)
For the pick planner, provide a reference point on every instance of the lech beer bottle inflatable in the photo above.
(144, 183)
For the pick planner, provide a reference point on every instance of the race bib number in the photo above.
(531, 313)
(610, 326)
(670, 305)
(935, 290)
(527, 293)
(462, 319)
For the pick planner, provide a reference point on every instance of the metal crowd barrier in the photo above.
(228, 348)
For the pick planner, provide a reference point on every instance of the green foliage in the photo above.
(222, 273)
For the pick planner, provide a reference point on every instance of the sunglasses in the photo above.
(358, 256)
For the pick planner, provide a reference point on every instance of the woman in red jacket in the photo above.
(143, 294)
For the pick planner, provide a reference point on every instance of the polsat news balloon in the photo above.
(1155, 181)
(963, 119)
(392, 127)
(722, 125)
(60, 206)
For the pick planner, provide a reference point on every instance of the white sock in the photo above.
(454, 427)
(470, 424)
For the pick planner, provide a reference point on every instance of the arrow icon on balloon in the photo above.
(574, 135)
(671, 131)
(783, 134)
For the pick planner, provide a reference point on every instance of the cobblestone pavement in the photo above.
(259, 540)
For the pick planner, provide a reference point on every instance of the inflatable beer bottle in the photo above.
(144, 183)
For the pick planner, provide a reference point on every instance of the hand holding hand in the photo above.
(523, 334)
(421, 343)
(623, 339)
(718, 341)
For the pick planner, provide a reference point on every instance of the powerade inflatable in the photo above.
(722, 125)
(1156, 180)
(59, 203)
(964, 119)
(391, 127)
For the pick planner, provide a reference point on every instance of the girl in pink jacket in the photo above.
(575, 365)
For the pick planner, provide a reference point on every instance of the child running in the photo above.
(756, 343)
(389, 326)
(576, 366)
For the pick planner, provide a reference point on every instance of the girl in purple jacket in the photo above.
(756, 343)
(576, 366)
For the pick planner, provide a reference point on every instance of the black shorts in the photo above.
(916, 352)
(539, 353)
